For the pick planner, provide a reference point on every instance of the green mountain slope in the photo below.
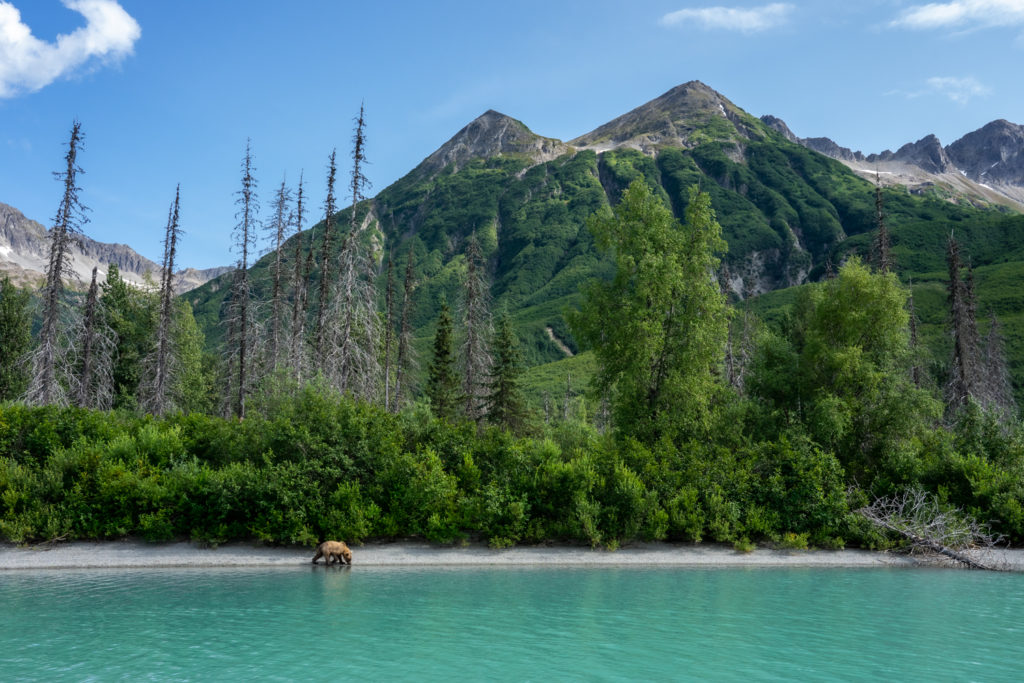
(786, 212)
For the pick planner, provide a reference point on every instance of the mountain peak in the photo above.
(489, 135)
(681, 117)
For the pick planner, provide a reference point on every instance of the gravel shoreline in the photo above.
(139, 554)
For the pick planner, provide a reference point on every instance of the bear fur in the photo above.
(333, 550)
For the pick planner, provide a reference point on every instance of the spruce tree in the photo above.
(505, 405)
(442, 378)
(15, 340)
(93, 377)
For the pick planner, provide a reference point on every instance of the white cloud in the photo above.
(962, 13)
(960, 90)
(745, 20)
(28, 64)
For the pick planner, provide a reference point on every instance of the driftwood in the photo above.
(919, 519)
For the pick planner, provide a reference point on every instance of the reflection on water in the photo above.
(509, 624)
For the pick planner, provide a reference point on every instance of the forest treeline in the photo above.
(702, 424)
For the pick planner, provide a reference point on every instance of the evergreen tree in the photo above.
(49, 360)
(15, 340)
(442, 378)
(505, 404)
(132, 315)
(194, 389)
(659, 327)
(93, 377)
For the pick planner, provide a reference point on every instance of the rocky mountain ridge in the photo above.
(983, 166)
(24, 252)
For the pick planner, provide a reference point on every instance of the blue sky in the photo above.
(168, 92)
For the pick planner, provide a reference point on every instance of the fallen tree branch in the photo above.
(919, 519)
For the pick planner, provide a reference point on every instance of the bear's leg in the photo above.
(319, 554)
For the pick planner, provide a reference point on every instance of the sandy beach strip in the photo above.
(140, 554)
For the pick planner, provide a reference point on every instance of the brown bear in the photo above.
(333, 550)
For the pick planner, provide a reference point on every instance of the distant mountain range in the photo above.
(24, 252)
(986, 165)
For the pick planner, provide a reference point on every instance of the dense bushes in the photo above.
(322, 467)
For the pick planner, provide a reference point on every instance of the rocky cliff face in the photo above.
(25, 248)
(992, 154)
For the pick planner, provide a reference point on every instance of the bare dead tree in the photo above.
(325, 254)
(964, 368)
(354, 359)
(918, 519)
(915, 368)
(403, 366)
(997, 383)
(883, 254)
(277, 229)
(241, 323)
(93, 381)
(739, 350)
(477, 331)
(300, 288)
(49, 360)
(156, 389)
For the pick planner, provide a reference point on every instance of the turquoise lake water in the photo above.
(367, 623)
